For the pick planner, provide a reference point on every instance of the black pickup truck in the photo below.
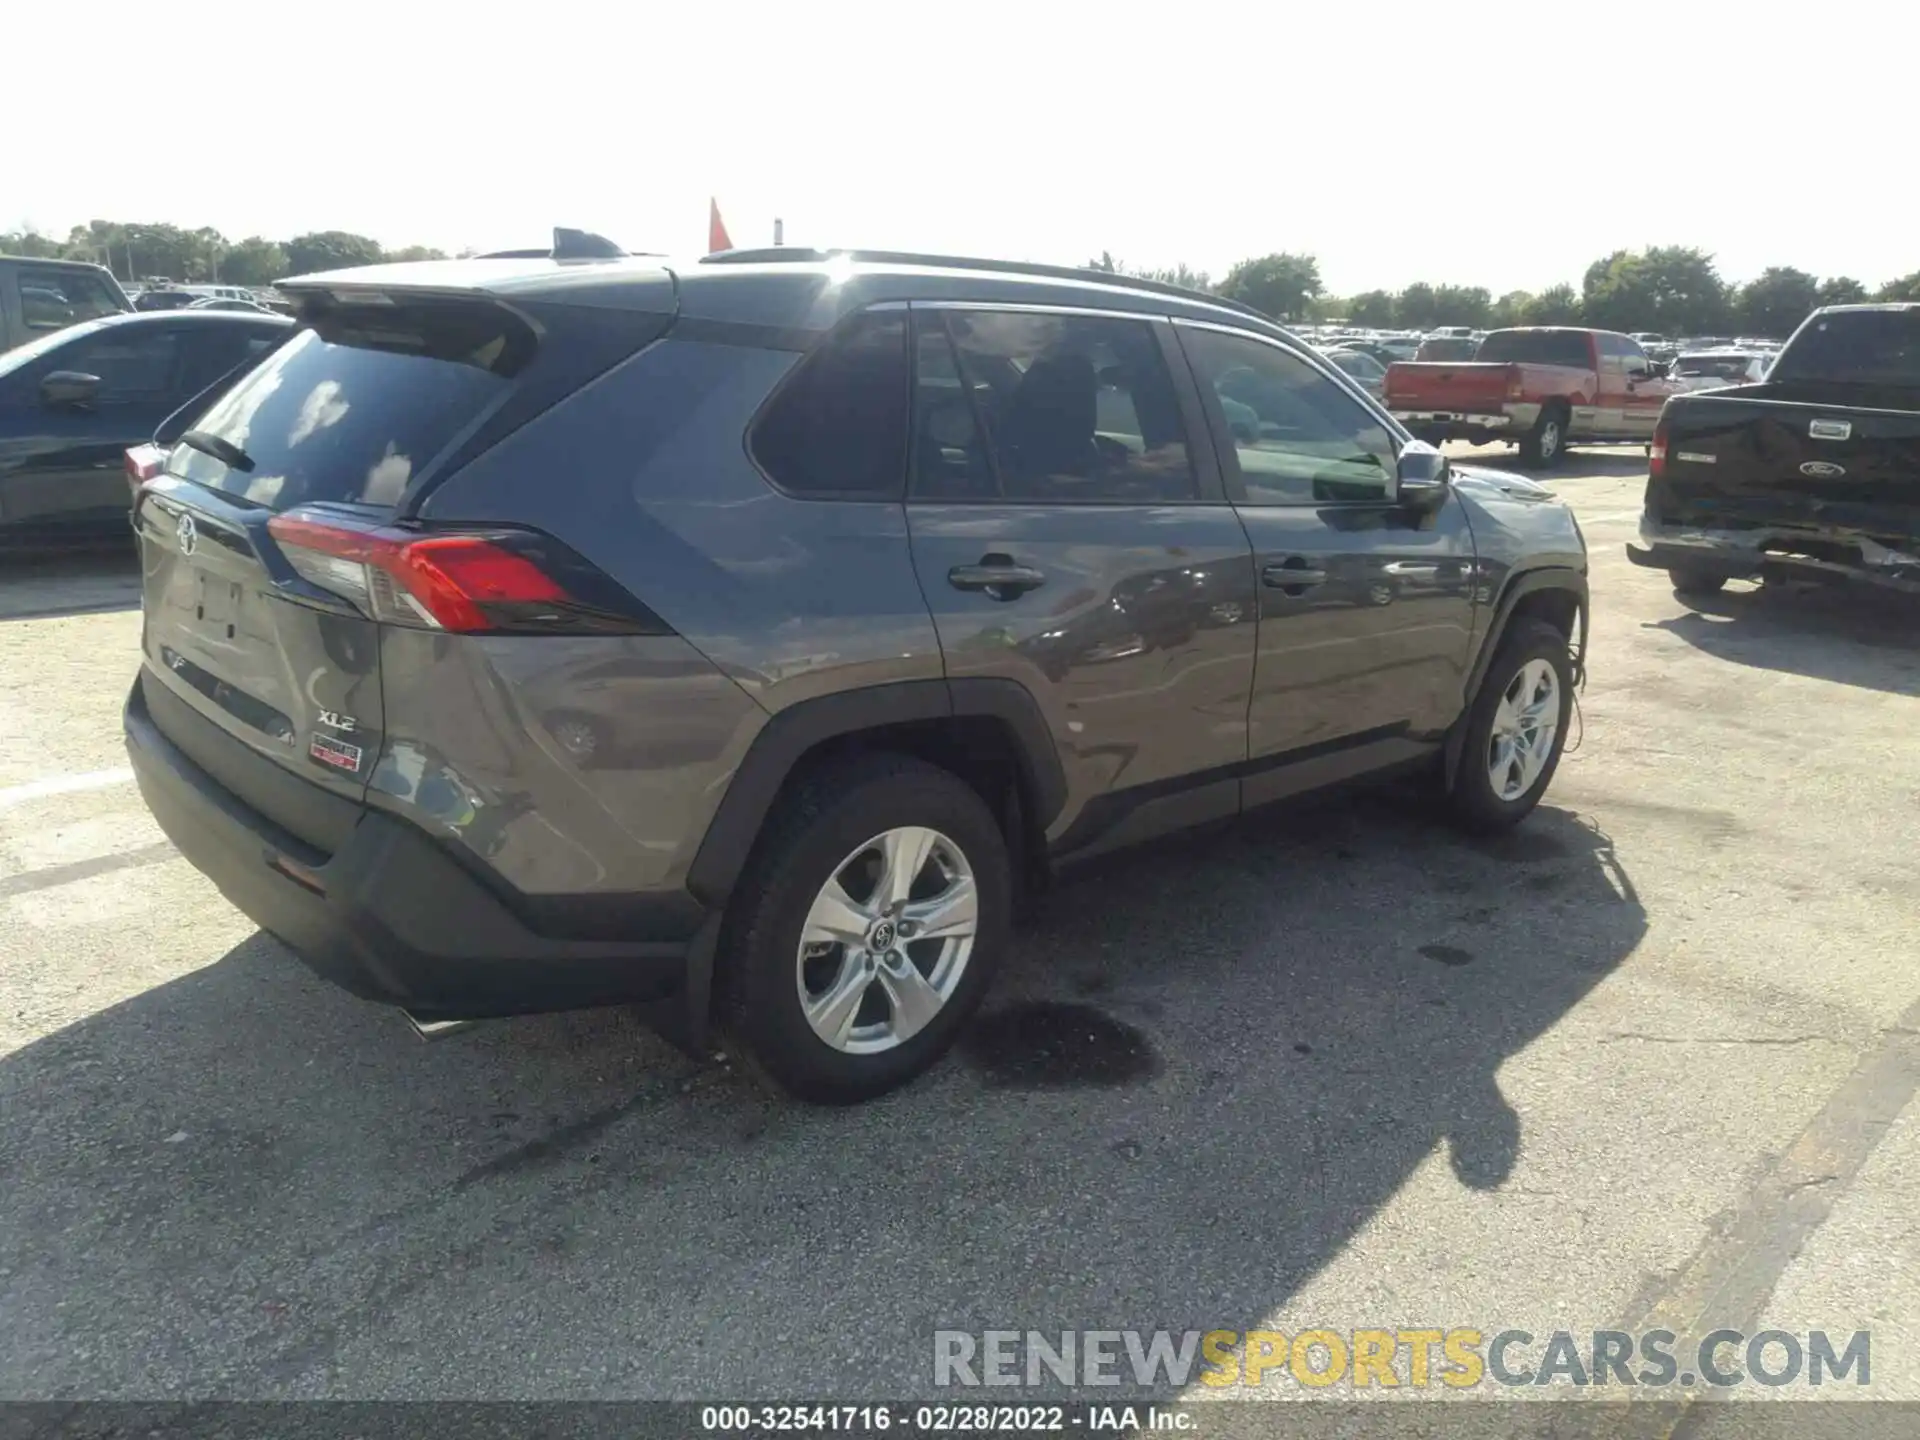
(1815, 471)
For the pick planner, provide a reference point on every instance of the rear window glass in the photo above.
(356, 406)
(1445, 348)
(1865, 347)
(1536, 347)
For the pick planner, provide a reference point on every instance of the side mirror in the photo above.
(69, 387)
(1422, 477)
(1661, 369)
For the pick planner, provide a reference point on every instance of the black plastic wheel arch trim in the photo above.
(1518, 586)
(789, 735)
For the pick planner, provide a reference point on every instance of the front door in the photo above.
(1366, 608)
(1070, 535)
(1645, 395)
(63, 464)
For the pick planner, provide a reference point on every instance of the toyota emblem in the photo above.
(187, 534)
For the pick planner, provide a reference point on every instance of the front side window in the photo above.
(1057, 408)
(1298, 438)
(135, 364)
(838, 426)
(53, 299)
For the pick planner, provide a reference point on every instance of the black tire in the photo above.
(1547, 441)
(1472, 799)
(824, 820)
(1695, 582)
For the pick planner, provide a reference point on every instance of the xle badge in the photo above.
(334, 753)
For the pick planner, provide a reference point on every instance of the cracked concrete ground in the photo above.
(1651, 1060)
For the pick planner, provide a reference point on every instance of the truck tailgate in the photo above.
(1462, 386)
(1740, 458)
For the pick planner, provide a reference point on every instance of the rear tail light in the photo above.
(1657, 451)
(503, 581)
(1516, 388)
(143, 463)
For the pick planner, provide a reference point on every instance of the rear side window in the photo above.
(355, 407)
(1536, 347)
(838, 426)
(1856, 347)
(54, 299)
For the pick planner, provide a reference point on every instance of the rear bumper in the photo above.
(1784, 551)
(1478, 425)
(389, 916)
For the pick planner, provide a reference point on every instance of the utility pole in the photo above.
(779, 231)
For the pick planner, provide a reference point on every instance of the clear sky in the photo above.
(1497, 145)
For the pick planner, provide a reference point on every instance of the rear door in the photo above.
(241, 641)
(1070, 535)
(1366, 609)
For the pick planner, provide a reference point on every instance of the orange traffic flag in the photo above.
(716, 229)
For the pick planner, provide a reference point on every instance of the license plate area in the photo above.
(217, 604)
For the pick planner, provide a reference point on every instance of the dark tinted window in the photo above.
(135, 363)
(1445, 348)
(950, 459)
(838, 426)
(1538, 347)
(360, 403)
(208, 351)
(1298, 438)
(53, 299)
(1856, 347)
(1073, 408)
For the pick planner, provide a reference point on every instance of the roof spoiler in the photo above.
(567, 245)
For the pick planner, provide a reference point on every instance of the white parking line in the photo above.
(62, 785)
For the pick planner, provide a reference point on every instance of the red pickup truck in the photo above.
(1542, 388)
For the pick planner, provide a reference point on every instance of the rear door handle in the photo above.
(998, 576)
(1293, 574)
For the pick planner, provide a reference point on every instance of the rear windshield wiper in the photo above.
(225, 451)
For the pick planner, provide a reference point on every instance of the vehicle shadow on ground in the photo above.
(1852, 635)
(81, 580)
(1202, 1072)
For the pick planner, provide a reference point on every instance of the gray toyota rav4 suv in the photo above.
(541, 631)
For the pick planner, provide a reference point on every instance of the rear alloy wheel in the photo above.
(1688, 581)
(1547, 441)
(1515, 729)
(867, 928)
(886, 941)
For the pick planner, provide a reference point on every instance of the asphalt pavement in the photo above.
(1650, 1061)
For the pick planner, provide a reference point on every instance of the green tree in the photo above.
(1842, 290)
(1775, 301)
(1668, 288)
(254, 261)
(1279, 285)
(1372, 308)
(1509, 309)
(1461, 305)
(330, 250)
(1555, 305)
(30, 243)
(417, 252)
(1907, 287)
(1182, 275)
(1417, 306)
